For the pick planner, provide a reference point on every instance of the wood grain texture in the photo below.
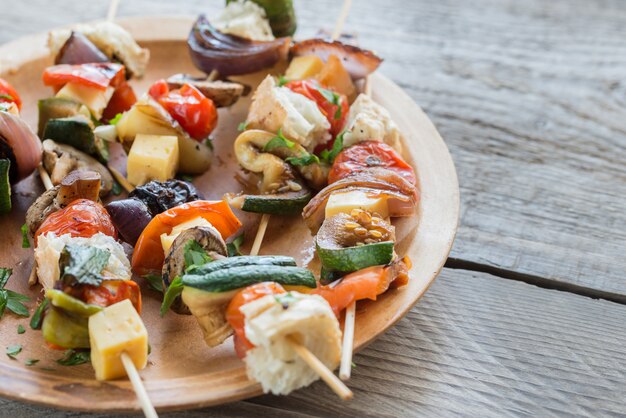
(476, 345)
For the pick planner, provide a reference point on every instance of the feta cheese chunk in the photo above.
(246, 19)
(369, 121)
(300, 119)
(115, 330)
(344, 202)
(152, 157)
(95, 99)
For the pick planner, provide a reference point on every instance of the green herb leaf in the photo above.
(4, 298)
(306, 159)
(116, 189)
(4, 276)
(116, 119)
(209, 143)
(329, 156)
(233, 247)
(242, 126)
(25, 240)
(174, 291)
(14, 303)
(285, 299)
(37, 318)
(186, 177)
(6, 97)
(333, 98)
(21, 329)
(82, 264)
(31, 361)
(155, 282)
(13, 350)
(195, 255)
(278, 141)
(282, 80)
(73, 358)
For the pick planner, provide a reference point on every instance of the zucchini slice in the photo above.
(5, 186)
(58, 107)
(289, 203)
(77, 131)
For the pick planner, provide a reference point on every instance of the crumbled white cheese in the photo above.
(246, 19)
(369, 121)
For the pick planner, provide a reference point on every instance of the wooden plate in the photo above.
(183, 372)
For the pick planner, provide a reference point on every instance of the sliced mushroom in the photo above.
(223, 93)
(209, 238)
(59, 160)
(77, 185)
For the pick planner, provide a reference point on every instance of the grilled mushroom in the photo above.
(223, 93)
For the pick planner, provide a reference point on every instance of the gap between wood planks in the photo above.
(539, 281)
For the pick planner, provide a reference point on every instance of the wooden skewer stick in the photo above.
(320, 368)
(45, 177)
(112, 12)
(140, 390)
(260, 233)
(345, 9)
(119, 177)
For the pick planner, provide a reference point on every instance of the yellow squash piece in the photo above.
(344, 202)
(95, 99)
(152, 157)
(168, 239)
(304, 67)
(115, 330)
(335, 76)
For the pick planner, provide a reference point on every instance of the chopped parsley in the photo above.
(195, 255)
(333, 98)
(25, 240)
(116, 119)
(37, 318)
(242, 126)
(278, 141)
(233, 247)
(282, 80)
(13, 350)
(329, 156)
(9, 299)
(7, 97)
(31, 361)
(306, 159)
(21, 329)
(72, 357)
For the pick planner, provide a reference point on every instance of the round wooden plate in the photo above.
(182, 371)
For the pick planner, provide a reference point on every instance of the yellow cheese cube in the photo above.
(344, 202)
(95, 99)
(115, 330)
(168, 239)
(152, 157)
(304, 67)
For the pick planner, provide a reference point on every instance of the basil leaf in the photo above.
(195, 255)
(37, 318)
(82, 264)
(25, 240)
(4, 298)
(278, 141)
(31, 361)
(14, 303)
(174, 291)
(74, 358)
(329, 156)
(306, 159)
(116, 119)
(233, 247)
(4, 276)
(242, 126)
(155, 282)
(21, 329)
(13, 350)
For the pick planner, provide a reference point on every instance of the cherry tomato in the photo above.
(195, 112)
(235, 317)
(122, 100)
(108, 293)
(148, 256)
(98, 75)
(366, 155)
(9, 95)
(334, 106)
(81, 218)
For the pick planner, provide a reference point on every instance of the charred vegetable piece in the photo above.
(130, 217)
(5, 186)
(232, 55)
(77, 131)
(350, 242)
(19, 144)
(58, 107)
(161, 196)
(223, 93)
(78, 49)
(288, 203)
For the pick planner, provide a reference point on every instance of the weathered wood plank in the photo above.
(476, 345)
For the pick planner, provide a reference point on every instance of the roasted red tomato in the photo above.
(333, 105)
(195, 112)
(108, 293)
(235, 317)
(122, 100)
(366, 155)
(98, 75)
(9, 95)
(81, 218)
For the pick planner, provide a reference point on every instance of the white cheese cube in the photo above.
(95, 99)
(168, 239)
(344, 202)
(115, 330)
(152, 157)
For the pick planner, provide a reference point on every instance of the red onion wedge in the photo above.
(78, 49)
(359, 62)
(232, 55)
(20, 144)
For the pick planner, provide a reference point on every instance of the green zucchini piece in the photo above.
(290, 203)
(5, 186)
(55, 108)
(65, 330)
(355, 258)
(281, 15)
(238, 277)
(77, 131)
(70, 304)
(245, 260)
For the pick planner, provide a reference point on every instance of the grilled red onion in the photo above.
(130, 217)
(78, 49)
(229, 54)
(19, 144)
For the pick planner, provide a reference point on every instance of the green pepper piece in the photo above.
(65, 330)
(281, 15)
(70, 304)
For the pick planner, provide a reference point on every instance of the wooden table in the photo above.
(528, 316)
